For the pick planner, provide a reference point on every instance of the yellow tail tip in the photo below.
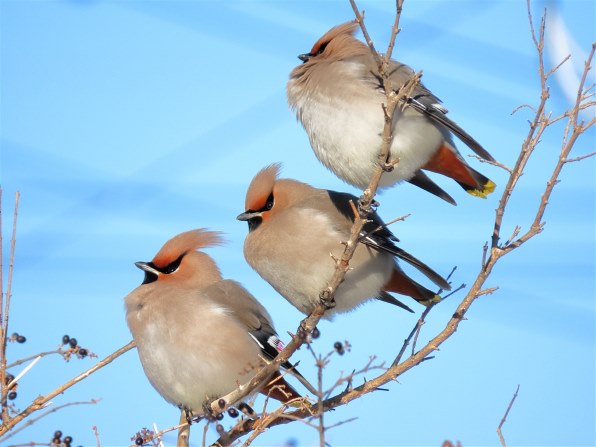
(488, 188)
(434, 300)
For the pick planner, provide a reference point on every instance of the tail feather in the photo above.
(390, 299)
(438, 114)
(423, 181)
(279, 389)
(448, 162)
(404, 285)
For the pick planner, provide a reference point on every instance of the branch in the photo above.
(4, 311)
(42, 401)
(501, 438)
(32, 421)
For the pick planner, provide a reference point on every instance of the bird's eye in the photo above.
(173, 266)
(269, 203)
(317, 51)
(321, 48)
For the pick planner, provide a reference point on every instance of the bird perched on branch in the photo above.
(293, 230)
(198, 335)
(337, 94)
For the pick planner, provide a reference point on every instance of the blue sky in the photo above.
(123, 123)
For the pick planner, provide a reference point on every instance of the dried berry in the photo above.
(246, 409)
(73, 342)
(65, 339)
(9, 378)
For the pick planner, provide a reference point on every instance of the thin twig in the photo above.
(32, 421)
(5, 313)
(500, 433)
(42, 401)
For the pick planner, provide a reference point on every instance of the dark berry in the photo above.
(83, 352)
(139, 441)
(21, 339)
(68, 440)
(221, 403)
(12, 395)
(246, 409)
(73, 342)
(301, 334)
(232, 412)
(339, 347)
(219, 416)
(65, 339)
(58, 433)
(219, 428)
(9, 378)
(316, 333)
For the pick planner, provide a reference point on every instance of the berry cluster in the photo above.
(74, 346)
(341, 348)
(12, 394)
(17, 337)
(57, 440)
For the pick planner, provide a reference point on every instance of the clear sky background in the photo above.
(124, 123)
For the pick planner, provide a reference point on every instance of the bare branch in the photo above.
(501, 438)
(5, 312)
(579, 158)
(32, 421)
(492, 163)
(42, 401)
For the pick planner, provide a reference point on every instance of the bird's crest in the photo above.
(345, 30)
(184, 243)
(261, 187)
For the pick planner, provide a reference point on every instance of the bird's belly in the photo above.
(187, 371)
(347, 139)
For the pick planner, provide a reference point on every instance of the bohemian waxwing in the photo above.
(293, 230)
(198, 335)
(337, 96)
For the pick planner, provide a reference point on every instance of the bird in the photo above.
(337, 94)
(198, 335)
(293, 230)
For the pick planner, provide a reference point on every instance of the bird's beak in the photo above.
(147, 267)
(151, 273)
(304, 57)
(247, 215)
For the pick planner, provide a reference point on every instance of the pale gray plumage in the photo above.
(337, 95)
(293, 230)
(198, 335)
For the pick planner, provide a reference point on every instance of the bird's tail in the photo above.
(447, 161)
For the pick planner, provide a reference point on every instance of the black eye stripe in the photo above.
(270, 202)
(172, 266)
(321, 48)
(268, 205)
